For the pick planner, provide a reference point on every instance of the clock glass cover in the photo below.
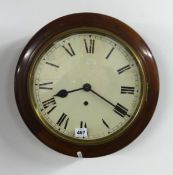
(86, 79)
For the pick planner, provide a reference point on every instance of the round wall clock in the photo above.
(86, 85)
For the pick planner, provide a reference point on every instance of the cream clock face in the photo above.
(89, 81)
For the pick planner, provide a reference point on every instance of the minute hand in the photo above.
(102, 98)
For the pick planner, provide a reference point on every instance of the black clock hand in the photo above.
(102, 98)
(63, 93)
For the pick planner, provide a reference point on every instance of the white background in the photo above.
(22, 154)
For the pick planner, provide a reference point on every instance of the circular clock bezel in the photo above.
(72, 22)
(61, 36)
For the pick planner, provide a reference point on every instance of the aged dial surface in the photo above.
(86, 80)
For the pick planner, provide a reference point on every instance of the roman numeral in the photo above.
(54, 65)
(83, 124)
(44, 85)
(121, 110)
(69, 50)
(121, 70)
(51, 109)
(62, 119)
(89, 45)
(127, 90)
(49, 102)
(104, 122)
(66, 123)
(110, 52)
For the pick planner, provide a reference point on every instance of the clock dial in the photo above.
(86, 80)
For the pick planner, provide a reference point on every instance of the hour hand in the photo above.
(63, 92)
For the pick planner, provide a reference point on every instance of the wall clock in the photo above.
(86, 85)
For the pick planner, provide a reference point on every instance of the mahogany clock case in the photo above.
(57, 27)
